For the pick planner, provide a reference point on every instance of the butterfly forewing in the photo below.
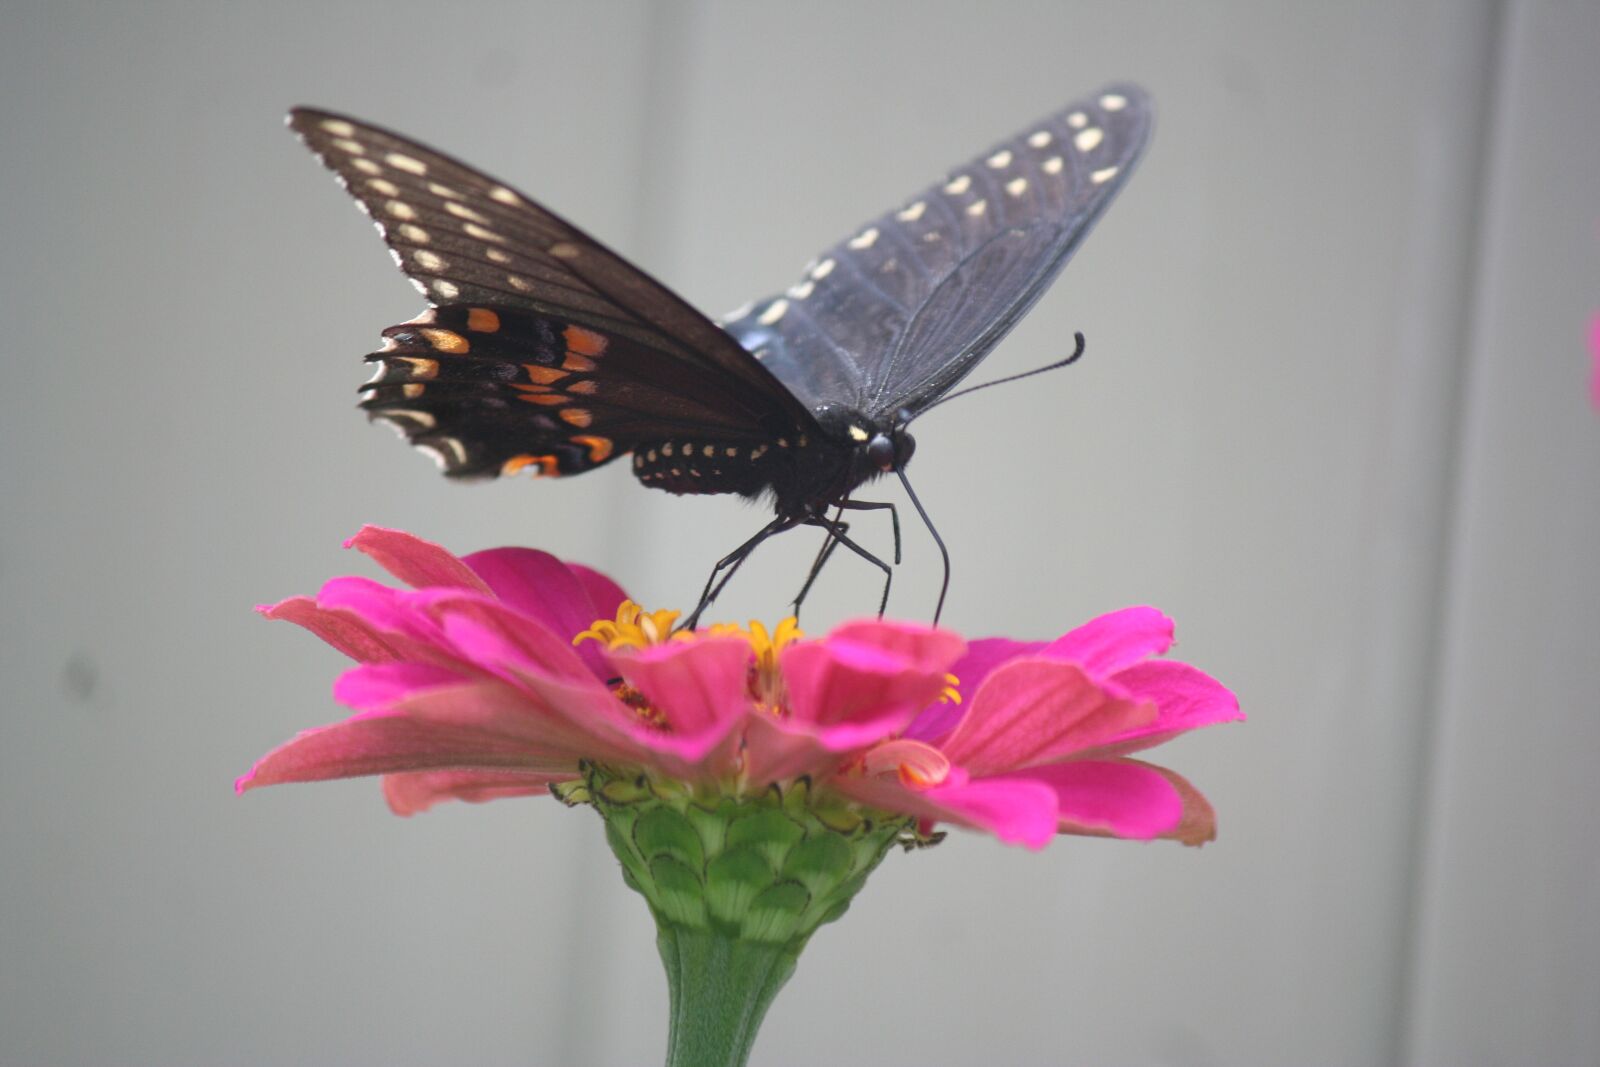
(893, 316)
(587, 355)
(464, 237)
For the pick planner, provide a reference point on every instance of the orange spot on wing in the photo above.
(421, 367)
(600, 448)
(585, 342)
(447, 341)
(482, 320)
(577, 416)
(578, 363)
(547, 399)
(543, 375)
(547, 465)
(584, 387)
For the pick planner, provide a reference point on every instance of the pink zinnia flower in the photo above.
(490, 677)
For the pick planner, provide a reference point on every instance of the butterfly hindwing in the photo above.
(892, 317)
(499, 392)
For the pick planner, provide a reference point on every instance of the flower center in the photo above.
(633, 627)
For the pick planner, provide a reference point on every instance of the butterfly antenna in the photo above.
(1057, 365)
(943, 552)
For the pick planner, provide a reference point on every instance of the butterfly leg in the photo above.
(880, 505)
(836, 531)
(821, 560)
(731, 564)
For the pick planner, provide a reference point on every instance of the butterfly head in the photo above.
(878, 446)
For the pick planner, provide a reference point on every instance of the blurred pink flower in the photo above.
(1594, 360)
(491, 678)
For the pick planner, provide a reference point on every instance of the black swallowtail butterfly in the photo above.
(545, 352)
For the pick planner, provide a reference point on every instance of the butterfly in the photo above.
(544, 352)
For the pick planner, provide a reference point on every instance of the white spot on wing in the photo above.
(443, 190)
(977, 207)
(959, 185)
(1104, 175)
(517, 281)
(822, 270)
(406, 163)
(355, 148)
(462, 211)
(366, 166)
(414, 234)
(448, 290)
(482, 233)
(565, 250)
(1053, 165)
(427, 260)
(774, 312)
(1088, 140)
(912, 213)
(1000, 159)
(1077, 120)
(803, 290)
(497, 256)
(865, 239)
(400, 209)
(423, 419)
(505, 196)
(1040, 139)
(1016, 186)
(1113, 101)
(383, 186)
(338, 127)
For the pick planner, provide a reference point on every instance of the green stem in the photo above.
(721, 988)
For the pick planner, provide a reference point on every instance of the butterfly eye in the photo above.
(905, 446)
(881, 452)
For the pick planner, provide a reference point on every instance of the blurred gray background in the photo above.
(1333, 418)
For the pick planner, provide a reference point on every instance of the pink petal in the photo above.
(385, 742)
(1115, 798)
(701, 686)
(866, 680)
(379, 607)
(485, 632)
(418, 563)
(1185, 697)
(774, 754)
(1016, 811)
(349, 634)
(557, 726)
(606, 596)
(1594, 356)
(541, 586)
(917, 765)
(1114, 641)
(417, 791)
(983, 656)
(1036, 710)
(378, 686)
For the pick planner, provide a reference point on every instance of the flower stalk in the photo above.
(737, 885)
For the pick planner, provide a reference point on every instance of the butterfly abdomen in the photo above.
(689, 466)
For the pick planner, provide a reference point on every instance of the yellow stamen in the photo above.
(952, 692)
(633, 628)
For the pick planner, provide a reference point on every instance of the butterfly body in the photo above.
(546, 353)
